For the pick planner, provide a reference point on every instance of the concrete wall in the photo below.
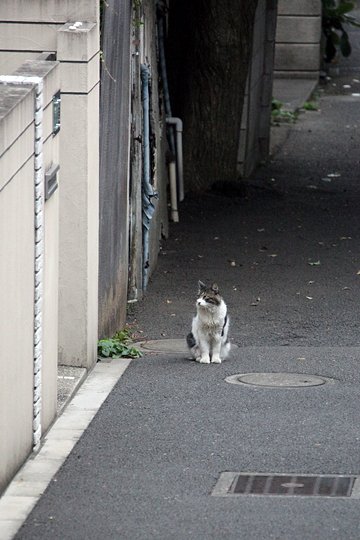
(78, 54)
(17, 266)
(114, 166)
(144, 51)
(27, 28)
(159, 225)
(255, 122)
(298, 39)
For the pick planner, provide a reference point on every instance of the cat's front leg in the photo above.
(215, 357)
(204, 357)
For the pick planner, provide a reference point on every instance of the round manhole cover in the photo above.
(278, 380)
(168, 346)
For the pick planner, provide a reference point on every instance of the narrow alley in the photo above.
(285, 254)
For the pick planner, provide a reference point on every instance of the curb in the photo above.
(30, 482)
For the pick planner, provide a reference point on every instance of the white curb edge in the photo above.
(30, 482)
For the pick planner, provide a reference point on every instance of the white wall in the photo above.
(28, 28)
(17, 267)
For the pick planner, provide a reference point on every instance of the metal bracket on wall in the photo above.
(56, 100)
(51, 183)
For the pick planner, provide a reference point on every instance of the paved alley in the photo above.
(286, 256)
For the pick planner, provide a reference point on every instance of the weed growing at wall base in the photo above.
(119, 346)
(279, 114)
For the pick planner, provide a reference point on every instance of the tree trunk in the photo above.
(209, 45)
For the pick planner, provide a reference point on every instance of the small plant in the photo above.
(137, 20)
(279, 114)
(119, 346)
(310, 106)
(335, 15)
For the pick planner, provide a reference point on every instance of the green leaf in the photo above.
(330, 50)
(345, 7)
(119, 346)
(310, 106)
(335, 38)
(345, 46)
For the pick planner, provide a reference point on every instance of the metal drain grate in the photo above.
(284, 485)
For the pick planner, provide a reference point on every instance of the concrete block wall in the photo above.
(298, 39)
(28, 28)
(78, 54)
(255, 122)
(17, 106)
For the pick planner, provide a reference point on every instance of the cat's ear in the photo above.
(202, 286)
(215, 288)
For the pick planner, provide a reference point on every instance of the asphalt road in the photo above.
(287, 259)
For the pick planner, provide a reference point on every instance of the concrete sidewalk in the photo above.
(286, 257)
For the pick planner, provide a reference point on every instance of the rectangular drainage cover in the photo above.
(284, 484)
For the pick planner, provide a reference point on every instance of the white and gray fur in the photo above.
(208, 339)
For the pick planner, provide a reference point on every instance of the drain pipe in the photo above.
(176, 149)
(173, 191)
(177, 123)
(39, 244)
(148, 192)
(160, 9)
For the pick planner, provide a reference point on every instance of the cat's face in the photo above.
(208, 297)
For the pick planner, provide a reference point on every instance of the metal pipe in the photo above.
(161, 39)
(177, 123)
(175, 147)
(148, 192)
(173, 191)
(39, 245)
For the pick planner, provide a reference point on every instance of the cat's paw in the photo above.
(216, 360)
(203, 360)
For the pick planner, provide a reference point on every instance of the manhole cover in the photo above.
(285, 484)
(278, 380)
(168, 346)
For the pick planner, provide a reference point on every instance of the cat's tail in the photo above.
(190, 340)
(191, 343)
(225, 349)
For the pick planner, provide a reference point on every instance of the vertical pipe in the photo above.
(173, 191)
(39, 244)
(163, 70)
(148, 192)
(177, 123)
(175, 147)
(39, 261)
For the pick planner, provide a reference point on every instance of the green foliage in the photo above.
(335, 15)
(279, 114)
(310, 106)
(119, 346)
(137, 20)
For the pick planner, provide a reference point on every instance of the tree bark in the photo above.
(209, 45)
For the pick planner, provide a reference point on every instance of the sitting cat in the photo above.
(207, 340)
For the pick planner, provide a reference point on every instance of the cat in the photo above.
(208, 339)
